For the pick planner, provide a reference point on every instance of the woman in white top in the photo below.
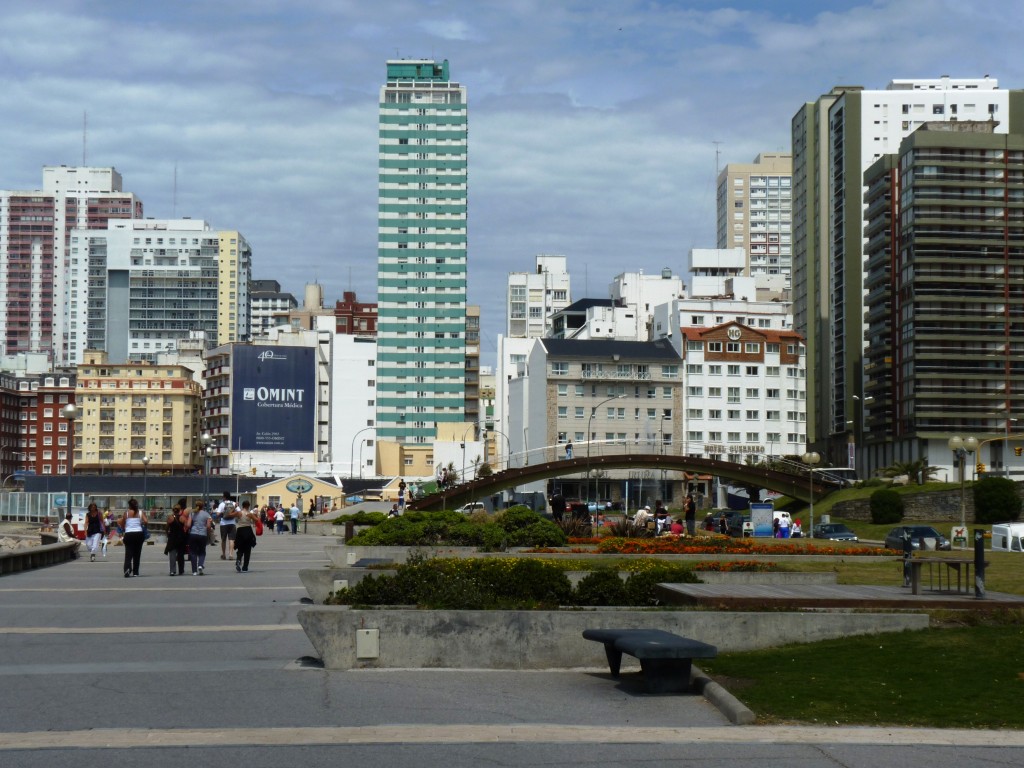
(133, 523)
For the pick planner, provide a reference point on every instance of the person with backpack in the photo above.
(245, 537)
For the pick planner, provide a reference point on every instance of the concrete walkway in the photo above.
(95, 667)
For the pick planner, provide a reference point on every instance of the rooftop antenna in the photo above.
(85, 135)
(717, 153)
(174, 193)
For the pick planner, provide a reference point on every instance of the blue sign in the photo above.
(273, 399)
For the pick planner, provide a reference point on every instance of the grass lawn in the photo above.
(959, 677)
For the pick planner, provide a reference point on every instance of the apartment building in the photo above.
(35, 233)
(422, 251)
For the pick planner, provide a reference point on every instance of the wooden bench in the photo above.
(665, 658)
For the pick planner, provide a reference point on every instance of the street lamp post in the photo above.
(70, 412)
(661, 452)
(811, 458)
(206, 441)
(962, 447)
(352, 453)
(590, 420)
(145, 480)
(508, 447)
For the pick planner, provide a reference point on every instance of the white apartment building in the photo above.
(533, 297)
(639, 294)
(755, 214)
(744, 392)
(35, 229)
(266, 301)
(140, 285)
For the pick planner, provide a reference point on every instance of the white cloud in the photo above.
(591, 122)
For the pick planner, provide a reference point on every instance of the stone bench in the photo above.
(665, 658)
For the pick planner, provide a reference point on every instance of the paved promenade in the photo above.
(99, 670)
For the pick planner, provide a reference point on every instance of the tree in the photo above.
(886, 507)
(996, 500)
(912, 469)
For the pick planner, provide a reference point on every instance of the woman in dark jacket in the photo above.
(178, 523)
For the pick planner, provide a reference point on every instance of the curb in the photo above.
(734, 709)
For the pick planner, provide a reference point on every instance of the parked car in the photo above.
(921, 537)
(473, 506)
(834, 532)
(740, 525)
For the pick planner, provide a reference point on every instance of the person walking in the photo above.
(94, 531)
(133, 523)
(294, 514)
(226, 514)
(690, 514)
(245, 537)
(279, 519)
(177, 539)
(198, 534)
(568, 449)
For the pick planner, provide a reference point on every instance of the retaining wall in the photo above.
(408, 638)
(17, 560)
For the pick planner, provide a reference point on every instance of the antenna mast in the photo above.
(717, 153)
(174, 194)
(85, 135)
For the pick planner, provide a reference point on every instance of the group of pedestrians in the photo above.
(190, 532)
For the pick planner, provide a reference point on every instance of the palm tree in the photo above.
(918, 468)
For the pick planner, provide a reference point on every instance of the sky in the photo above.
(595, 126)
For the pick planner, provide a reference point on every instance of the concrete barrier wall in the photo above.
(36, 557)
(553, 639)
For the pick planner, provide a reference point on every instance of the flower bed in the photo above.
(714, 545)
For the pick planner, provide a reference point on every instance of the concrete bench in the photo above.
(665, 658)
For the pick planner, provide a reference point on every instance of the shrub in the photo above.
(519, 526)
(641, 586)
(361, 517)
(603, 587)
(996, 500)
(886, 507)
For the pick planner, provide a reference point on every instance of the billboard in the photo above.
(273, 399)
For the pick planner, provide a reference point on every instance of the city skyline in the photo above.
(594, 131)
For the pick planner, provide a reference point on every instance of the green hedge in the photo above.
(505, 584)
(516, 527)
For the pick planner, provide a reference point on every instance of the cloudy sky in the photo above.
(593, 123)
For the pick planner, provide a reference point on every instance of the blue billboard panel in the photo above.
(273, 399)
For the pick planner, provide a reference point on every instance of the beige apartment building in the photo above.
(132, 411)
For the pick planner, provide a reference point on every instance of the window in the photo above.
(670, 371)
(559, 369)
(695, 413)
(714, 391)
(714, 370)
(753, 370)
(753, 437)
(734, 437)
(715, 436)
(753, 415)
(695, 436)
(753, 393)
(694, 369)
(695, 391)
(773, 415)
(772, 370)
(563, 411)
(772, 348)
(771, 394)
(733, 415)
(715, 413)
(715, 346)
(694, 346)
(580, 411)
(732, 346)
(734, 394)
(733, 370)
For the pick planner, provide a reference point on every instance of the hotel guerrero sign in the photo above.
(273, 399)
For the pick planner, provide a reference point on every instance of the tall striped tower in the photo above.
(421, 252)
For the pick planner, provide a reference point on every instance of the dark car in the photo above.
(737, 522)
(834, 532)
(921, 537)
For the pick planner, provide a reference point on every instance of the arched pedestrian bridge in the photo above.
(790, 483)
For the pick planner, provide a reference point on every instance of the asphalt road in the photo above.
(99, 670)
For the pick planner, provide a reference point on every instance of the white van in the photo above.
(1008, 537)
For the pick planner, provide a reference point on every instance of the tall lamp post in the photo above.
(145, 480)
(206, 440)
(508, 447)
(661, 451)
(70, 412)
(811, 458)
(352, 453)
(593, 410)
(961, 448)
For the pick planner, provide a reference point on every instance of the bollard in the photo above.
(979, 563)
(908, 551)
